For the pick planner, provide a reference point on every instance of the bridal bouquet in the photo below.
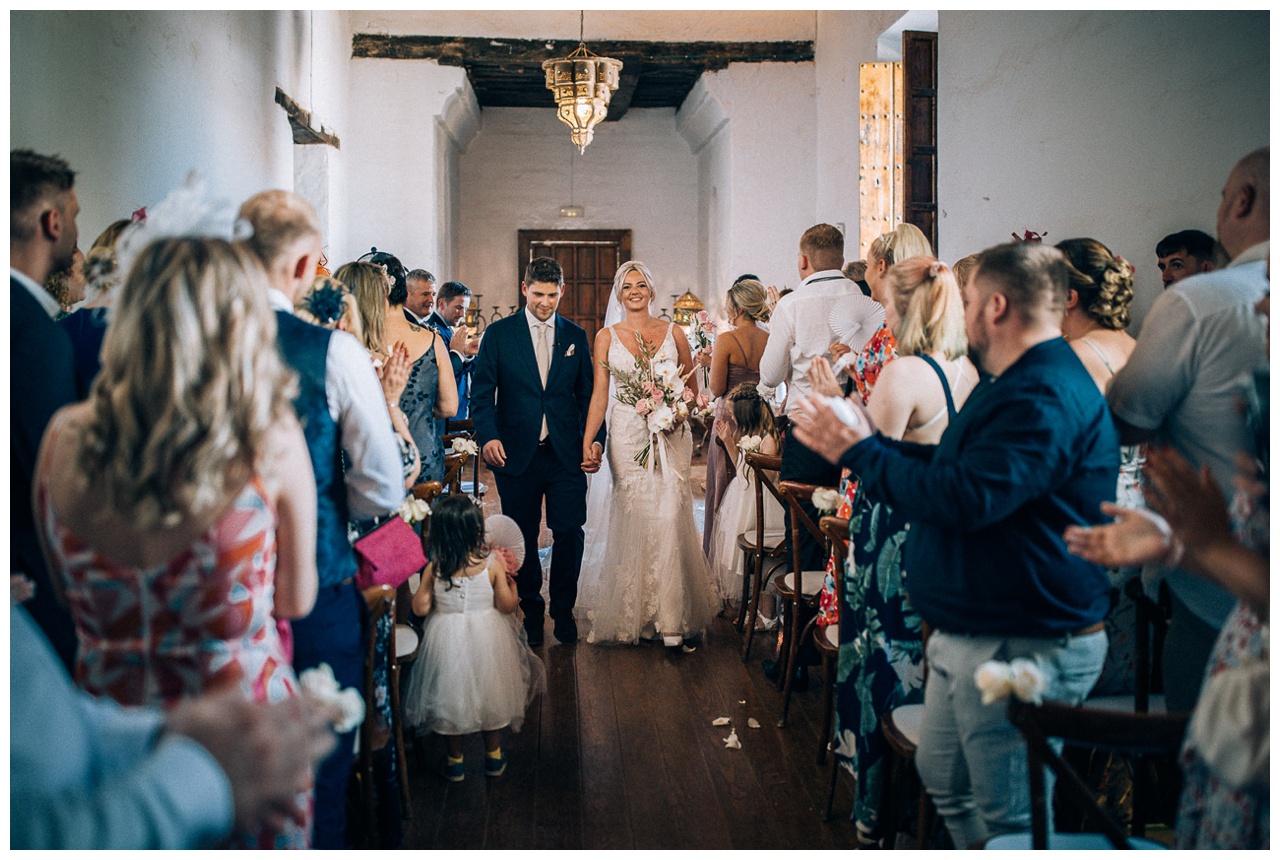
(656, 390)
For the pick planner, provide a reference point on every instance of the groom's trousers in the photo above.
(564, 487)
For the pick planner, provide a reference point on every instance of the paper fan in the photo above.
(502, 531)
(854, 319)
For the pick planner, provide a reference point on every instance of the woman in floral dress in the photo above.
(169, 501)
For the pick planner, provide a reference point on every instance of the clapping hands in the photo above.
(820, 430)
(822, 379)
(394, 371)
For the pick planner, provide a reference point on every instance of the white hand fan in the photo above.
(854, 318)
(502, 531)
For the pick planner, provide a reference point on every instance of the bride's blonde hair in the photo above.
(191, 383)
(627, 268)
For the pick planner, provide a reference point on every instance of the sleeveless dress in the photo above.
(718, 476)
(198, 623)
(653, 579)
(737, 515)
(473, 671)
(418, 402)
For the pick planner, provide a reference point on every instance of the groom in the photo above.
(530, 390)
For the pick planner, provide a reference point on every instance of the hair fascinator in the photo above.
(326, 302)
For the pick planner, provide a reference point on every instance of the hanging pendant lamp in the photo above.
(582, 84)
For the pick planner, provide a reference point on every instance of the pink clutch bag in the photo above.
(389, 554)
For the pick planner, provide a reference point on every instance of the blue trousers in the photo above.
(334, 633)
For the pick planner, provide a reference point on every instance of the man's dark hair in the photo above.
(450, 290)
(421, 275)
(544, 270)
(1032, 276)
(1193, 243)
(742, 278)
(31, 176)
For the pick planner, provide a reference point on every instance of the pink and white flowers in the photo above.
(656, 390)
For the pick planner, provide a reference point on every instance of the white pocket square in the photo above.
(569, 351)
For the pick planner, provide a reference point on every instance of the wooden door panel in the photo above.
(920, 143)
(589, 259)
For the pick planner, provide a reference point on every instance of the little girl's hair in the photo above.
(457, 535)
(750, 411)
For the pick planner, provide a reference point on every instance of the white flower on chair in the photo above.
(465, 446)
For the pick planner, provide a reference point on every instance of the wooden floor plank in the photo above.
(606, 820)
(559, 790)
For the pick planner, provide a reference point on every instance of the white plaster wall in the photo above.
(134, 100)
(844, 40)
(637, 174)
(392, 149)
(1121, 126)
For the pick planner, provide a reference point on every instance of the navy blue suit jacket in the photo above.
(508, 400)
(462, 368)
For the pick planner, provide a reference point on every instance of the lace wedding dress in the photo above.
(644, 573)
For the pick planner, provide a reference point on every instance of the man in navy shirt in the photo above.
(1033, 451)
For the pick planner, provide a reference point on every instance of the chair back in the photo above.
(379, 666)
(464, 429)
(1128, 733)
(724, 449)
(836, 530)
(795, 495)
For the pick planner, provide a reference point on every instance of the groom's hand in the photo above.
(591, 463)
(494, 454)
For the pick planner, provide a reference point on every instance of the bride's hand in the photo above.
(592, 454)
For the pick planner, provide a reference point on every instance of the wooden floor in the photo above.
(621, 753)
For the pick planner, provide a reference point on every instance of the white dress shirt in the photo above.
(534, 323)
(41, 295)
(800, 331)
(375, 475)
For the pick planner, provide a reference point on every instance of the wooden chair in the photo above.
(466, 428)
(827, 638)
(797, 589)
(375, 732)
(1150, 627)
(760, 546)
(902, 728)
(1126, 733)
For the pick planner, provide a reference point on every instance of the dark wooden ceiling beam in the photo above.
(463, 50)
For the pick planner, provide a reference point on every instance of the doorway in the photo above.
(589, 259)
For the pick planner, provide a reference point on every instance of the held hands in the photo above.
(822, 379)
(592, 454)
(820, 430)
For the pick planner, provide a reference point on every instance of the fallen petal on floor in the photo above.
(720, 721)
(732, 741)
(753, 723)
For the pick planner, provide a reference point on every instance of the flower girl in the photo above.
(752, 430)
(473, 672)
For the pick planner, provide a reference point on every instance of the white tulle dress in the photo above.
(737, 514)
(473, 672)
(644, 574)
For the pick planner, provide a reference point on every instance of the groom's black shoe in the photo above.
(533, 629)
(567, 631)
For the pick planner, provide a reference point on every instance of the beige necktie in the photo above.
(544, 364)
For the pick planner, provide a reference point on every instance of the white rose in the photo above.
(826, 499)
(1027, 681)
(352, 704)
(749, 443)
(992, 679)
(661, 419)
(465, 446)
(320, 683)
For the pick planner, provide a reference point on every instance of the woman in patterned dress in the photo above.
(169, 500)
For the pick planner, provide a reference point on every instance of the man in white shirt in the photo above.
(42, 240)
(1182, 385)
(343, 412)
(800, 330)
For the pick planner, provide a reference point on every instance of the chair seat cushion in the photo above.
(904, 723)
(1068, 842)
(406, 642)
(832, 634)
(772, 540)
(811, 580)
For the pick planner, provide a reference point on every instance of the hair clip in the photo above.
(326, 304)
(935, 268)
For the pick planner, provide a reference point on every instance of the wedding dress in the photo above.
(644, 573)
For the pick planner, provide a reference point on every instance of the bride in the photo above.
(644, 574)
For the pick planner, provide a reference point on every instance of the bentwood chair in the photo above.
(826, 638)
(798, 590)
(466, 429)
(376, 732)
(764, 545)
(902, 728)
(1126, 733)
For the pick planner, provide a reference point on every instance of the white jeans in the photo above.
(971, 758)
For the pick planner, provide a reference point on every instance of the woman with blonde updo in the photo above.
(735, 359)
(1099, 292)
(170, 501)
(919, 393)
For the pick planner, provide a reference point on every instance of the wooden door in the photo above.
(879, 151)
(589, 259)
(920, 132)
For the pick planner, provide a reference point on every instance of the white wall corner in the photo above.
(460, 117)
(701, 116)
